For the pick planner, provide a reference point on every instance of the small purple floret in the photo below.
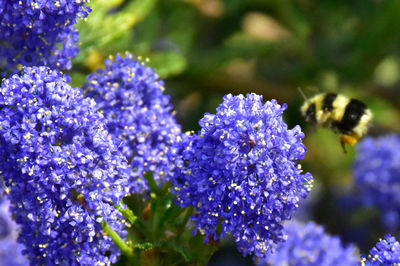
(241, 168)
(62, 172)
(309, 244)
(139, 117)
(386, 252)
(39, 32)
(377, 175)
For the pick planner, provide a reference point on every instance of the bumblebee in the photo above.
(348, 117)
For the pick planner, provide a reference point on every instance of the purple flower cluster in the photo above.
(39, 32)
(386, 252)
(308, 244)
(139, 117)
(10, 250)
(377, 174)
(61, 170)
(241, 169)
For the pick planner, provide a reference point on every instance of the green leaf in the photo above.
(182, 251)
(168, 63)
(103, 26)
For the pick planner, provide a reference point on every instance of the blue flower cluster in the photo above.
(10, 250)
(139, 117)
(61, 170)
(377, 172)
(241, 169)
(386, 252)
(308, 244)
(39, 32)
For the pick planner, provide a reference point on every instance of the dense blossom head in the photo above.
(139, 116)
(241, 168)
(377, 174)
(61, 170)
(308, 244)
(386, 252)
(39, 32)
(10, 250)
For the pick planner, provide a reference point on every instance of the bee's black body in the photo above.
(349, 117)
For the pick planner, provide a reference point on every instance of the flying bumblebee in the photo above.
(348, 117)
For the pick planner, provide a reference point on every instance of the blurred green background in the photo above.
(204, 49)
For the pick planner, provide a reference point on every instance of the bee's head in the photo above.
(309, 110)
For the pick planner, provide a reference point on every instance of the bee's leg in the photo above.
(343, 146)
(348, 139)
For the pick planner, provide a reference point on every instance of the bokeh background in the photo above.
(204, 49)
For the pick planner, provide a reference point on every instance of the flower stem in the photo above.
(133, 219)
(117, 240)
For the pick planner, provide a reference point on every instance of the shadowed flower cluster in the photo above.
(241, 168)
(386, 252)
(61, 170)
(308, 244)
(377, 172)
(39, 32)
(139, 117)
(10, 250)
